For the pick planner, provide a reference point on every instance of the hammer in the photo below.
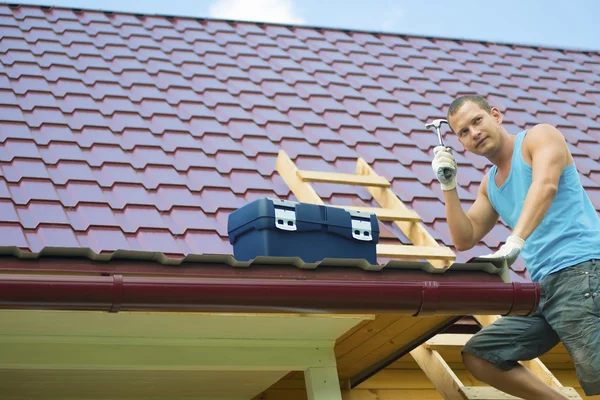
(437, 123)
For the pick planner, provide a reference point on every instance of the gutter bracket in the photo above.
(117, 299)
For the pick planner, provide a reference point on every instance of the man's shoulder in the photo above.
(542, 135)
(540, 131)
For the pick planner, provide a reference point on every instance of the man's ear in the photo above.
(497, 115)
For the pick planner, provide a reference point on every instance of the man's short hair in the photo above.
(458, 103)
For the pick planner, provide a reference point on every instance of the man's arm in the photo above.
(467, 229)
(549, 156)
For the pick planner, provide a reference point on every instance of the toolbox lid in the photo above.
(270, 213)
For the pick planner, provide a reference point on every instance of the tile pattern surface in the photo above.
(132, 132)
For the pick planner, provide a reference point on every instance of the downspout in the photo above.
(116, 293)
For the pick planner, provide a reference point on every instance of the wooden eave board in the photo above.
(69, 355)
(372, 341)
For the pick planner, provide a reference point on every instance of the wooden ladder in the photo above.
(450, 386)
(424, 246)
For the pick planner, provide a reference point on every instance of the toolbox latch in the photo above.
(285, 217)
(361, 230)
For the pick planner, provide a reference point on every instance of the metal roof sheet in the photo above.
(128, 133)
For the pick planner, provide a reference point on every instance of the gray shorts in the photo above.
(569, 311)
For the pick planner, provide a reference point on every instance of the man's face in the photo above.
(478, 131)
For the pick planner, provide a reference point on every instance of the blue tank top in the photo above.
(570, 231)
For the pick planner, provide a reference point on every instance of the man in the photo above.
(534, 186)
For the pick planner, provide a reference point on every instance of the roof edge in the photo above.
(316, 27)
(229, 260)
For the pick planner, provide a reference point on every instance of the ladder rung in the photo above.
(448, 340)
(456, 341)
(386, 214)
(415, 252)
(348, 179)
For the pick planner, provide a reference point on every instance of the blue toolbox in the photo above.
(282, 228)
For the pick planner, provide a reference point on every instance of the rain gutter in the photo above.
(117, 292)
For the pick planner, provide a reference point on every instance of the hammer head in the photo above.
(437, 123)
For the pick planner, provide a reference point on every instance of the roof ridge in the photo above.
(316, 27)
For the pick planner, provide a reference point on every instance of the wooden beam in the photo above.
(71, 384)
(369, 349)
(438, 372)
(458, 341)
(448, 340)
(490, 393)
(389, 384)
(415, 252)
(386, 214)
(105, 354)
(322, 384)
(424, 245)
(303, 191)
(341, 178)
(415, 232)
(176, 327)
(370, 333)
(354, 394)
(450, 386)
(539, 369)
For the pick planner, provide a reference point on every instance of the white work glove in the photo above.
(509, 251)
(444, 167)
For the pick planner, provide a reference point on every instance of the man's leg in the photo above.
(493, 353)
(572, 307)
(518, 381)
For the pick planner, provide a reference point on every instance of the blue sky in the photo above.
(569, 24)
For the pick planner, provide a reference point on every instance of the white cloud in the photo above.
(393, 19)
(278, 11)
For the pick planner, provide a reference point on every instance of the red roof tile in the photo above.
(143, 133)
